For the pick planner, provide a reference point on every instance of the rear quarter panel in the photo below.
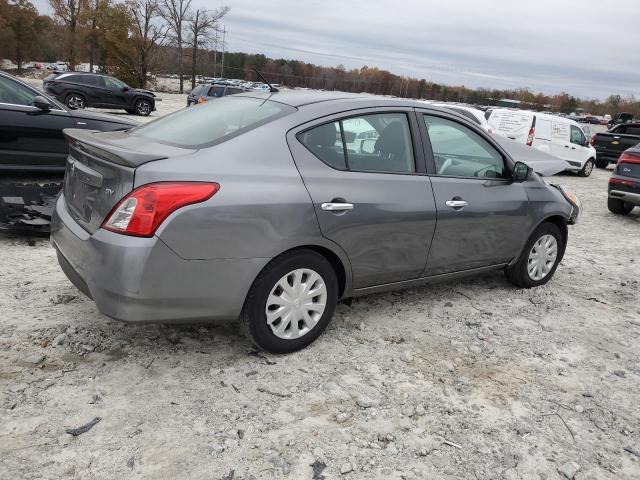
(261, 210)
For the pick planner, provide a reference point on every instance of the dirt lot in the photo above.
(471, 379)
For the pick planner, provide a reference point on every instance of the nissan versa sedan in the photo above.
(256, 208)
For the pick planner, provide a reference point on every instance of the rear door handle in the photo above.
(456, 203)
(336, 207)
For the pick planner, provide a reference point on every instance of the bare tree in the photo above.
(68, 12)
(175, 13)
(146, 35)
(200, 25)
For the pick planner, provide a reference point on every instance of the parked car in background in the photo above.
(204, 93)
(561, 137)
(79, 90)
(624, 184)
(620, 118)
(612, 143)
(473, 114)
(258, 206)
(33, 150)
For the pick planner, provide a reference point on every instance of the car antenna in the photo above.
(272, 89)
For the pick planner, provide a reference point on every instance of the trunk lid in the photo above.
(100, 171)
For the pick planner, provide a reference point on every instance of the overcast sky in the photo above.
(585, 47)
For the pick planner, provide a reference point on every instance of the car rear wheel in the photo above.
(291, 302)
(618, 206)
(75, 101)
(602, 163)
(143, 107)
(587, 168)
(539, 258)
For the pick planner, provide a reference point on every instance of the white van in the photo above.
(552, 134)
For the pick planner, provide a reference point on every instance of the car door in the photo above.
(372, 197)
(577, 150)
(30, 138)
(115, 91)
(561, 139)
(481, 213)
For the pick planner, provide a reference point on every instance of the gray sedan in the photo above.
(268, 209)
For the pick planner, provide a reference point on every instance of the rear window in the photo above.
(213, 122)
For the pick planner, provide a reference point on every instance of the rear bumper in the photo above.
(627, 197)
(608, 156)
(142, 280)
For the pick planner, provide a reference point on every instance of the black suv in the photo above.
(624, 184)
(81, 90)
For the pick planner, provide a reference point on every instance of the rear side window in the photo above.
(212, 122)
(633, 130)
(233, 91)
(371, 143)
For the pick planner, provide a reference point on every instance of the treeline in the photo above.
(135, 39)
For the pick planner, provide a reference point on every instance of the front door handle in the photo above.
(456, 203)
(336, 207)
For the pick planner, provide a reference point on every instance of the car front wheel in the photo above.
(75, 101)
(143, 108)
(291, 302)
(539, 258)
(587, 169)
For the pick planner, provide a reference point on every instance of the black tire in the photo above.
(587, 168)
(602, 163)
(75, 101)
(143, 107)
(618, 206)
(253, 319)
(518, 273)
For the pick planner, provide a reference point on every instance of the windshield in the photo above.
(213, 122)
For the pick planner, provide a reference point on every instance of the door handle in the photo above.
(456, 203)
(336, 207)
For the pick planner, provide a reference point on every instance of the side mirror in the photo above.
(124, 89)
(521, 172)
(41, 103)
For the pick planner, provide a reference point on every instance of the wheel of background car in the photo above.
(291, 302)
(618, 206)
(587, 168)
(143, 107)
(75, 101)
(539, 258)
(602, 163)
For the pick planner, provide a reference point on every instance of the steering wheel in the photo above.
(443, 168)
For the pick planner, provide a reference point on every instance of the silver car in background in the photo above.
(268, 209)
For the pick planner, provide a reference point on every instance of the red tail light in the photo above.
(619, 181)
(628, 158)
(201, 99)
(592, 142)
(142, 211)
(532, 132)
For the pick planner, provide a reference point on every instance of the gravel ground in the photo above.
(468, 379)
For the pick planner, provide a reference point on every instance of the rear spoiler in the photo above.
(111, 146)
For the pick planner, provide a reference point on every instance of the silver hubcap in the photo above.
(75, 102)
(296, 303)
(542, 257)
(588, 167)
(143, 108)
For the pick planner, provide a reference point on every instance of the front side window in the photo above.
(376, 143)
(114, 83)
(577, 136)
(217, 91)
(14, 93)
(212, 122)
(460, 152)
